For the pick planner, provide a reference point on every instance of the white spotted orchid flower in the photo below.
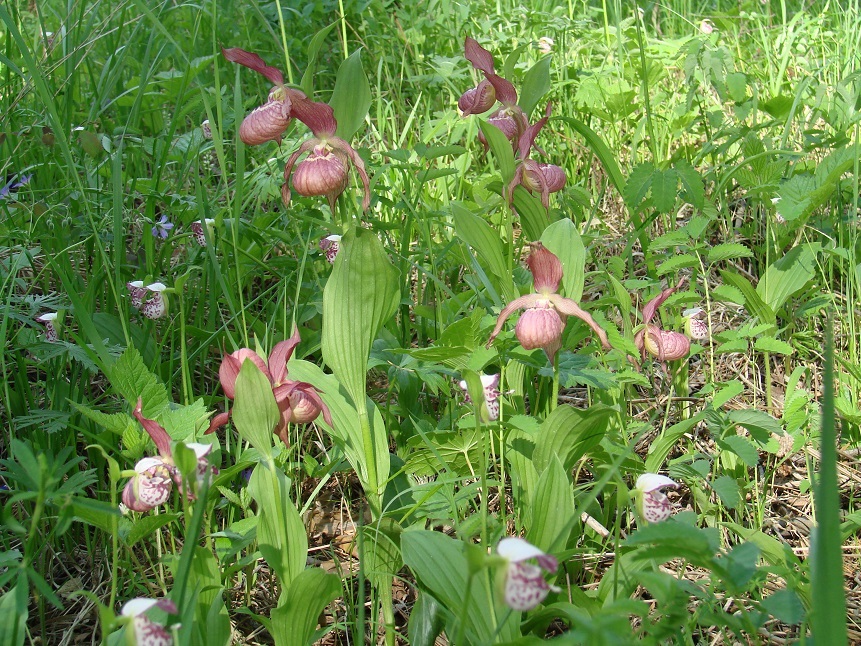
(696, 324)
(50, 330)
(330, 246)
(154, 477)
(542, 322)
(525, 586)
(149, 299)
(144, 630)
(652, 503)
(490, 384)
(197, 229)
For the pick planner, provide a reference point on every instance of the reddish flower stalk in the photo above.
(542, 322)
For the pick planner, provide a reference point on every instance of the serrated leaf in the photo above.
(665, 184)
(116, 423)
(351, 97)
(563, 239)
(131, 378)
(760, 424)
(638, 184)
(770, 344)
(361, 294)
(536, 83)
(677, 262)
(182, 422)
(785, 606)
(728, 251)
(727, 392)
(752, 300)
(728, 294)
(692, 183)
(736, 85)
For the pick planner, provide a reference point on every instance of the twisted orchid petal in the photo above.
(155, 430)
(279, 357)
(570, 308)
(253, 62)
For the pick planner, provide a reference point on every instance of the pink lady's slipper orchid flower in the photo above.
(197, 229)
(661, 344)
(298, 401)
(509, 118)
(543, 178)
(154, 476)
(330, 246)
(490, 384)
(146, 632)
(525, 586)
(325, 172)
(542, 322)
(652, 503)
(50, 331)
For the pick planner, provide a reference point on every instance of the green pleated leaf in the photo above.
(563, 239)
(752, 300)
(533, 215)
(351, 97)
(255, 413)
(501, 149)
(295, 619)
(568, 433)
(346, 429)
(440, 566)
(281, 535)
(360, 296)
(787, 276)
(307, 83)
(427, 619)
(381, 551)
(552, 509)
(536, 83)
(479, 235)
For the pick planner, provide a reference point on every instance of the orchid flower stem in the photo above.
(485, 441)
(385, 592)
(183, 350)
(343, 28)
(284, 42)
(115, 546)
(464, 611)
(374, 496)
(554, 401)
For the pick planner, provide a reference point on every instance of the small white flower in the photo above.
(50, 331)
(545, 44)
(652, 503)
(525, 586)
(155, 307)
(206, 129)
(707, 27)
(696, 325)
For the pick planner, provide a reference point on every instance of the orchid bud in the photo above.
(206, 129)
(545, 44)
(490, 384)
(652, 503)
(330, 246)
(554, 177)
(664, 345)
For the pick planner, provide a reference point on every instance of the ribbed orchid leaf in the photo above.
(478, 234)
(552, 509)
(307, 83)
(536, 83)
(569, 433)
(361, 295)
(255, 413)
(351, 98)
(563, 239)
(501, 149)
(296, 617)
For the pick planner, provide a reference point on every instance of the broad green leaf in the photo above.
(145, 526)
(563, 239)
(741, 447)
(360, 296)
(346, 429)
(568, 433)
(255, 412)
(736, 85)
(728, 251)
(536, 83)
(351, 97)
(802, 194)
(482, 238)
(307, 83)
(98, 513)
(727, 392)
(785, 606)
(533, 215)
(760, 424)
(296, 617)
(552, 509)
(674, 539)
(520, 447)
(752, 300)
(692, 183)
(381, 551)
(14, 613)
(427, 620)
(281, 533)
(727, 490)
(501, 149)
(439, 564)
(117, 423)
(787, 276)
(661, 447)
